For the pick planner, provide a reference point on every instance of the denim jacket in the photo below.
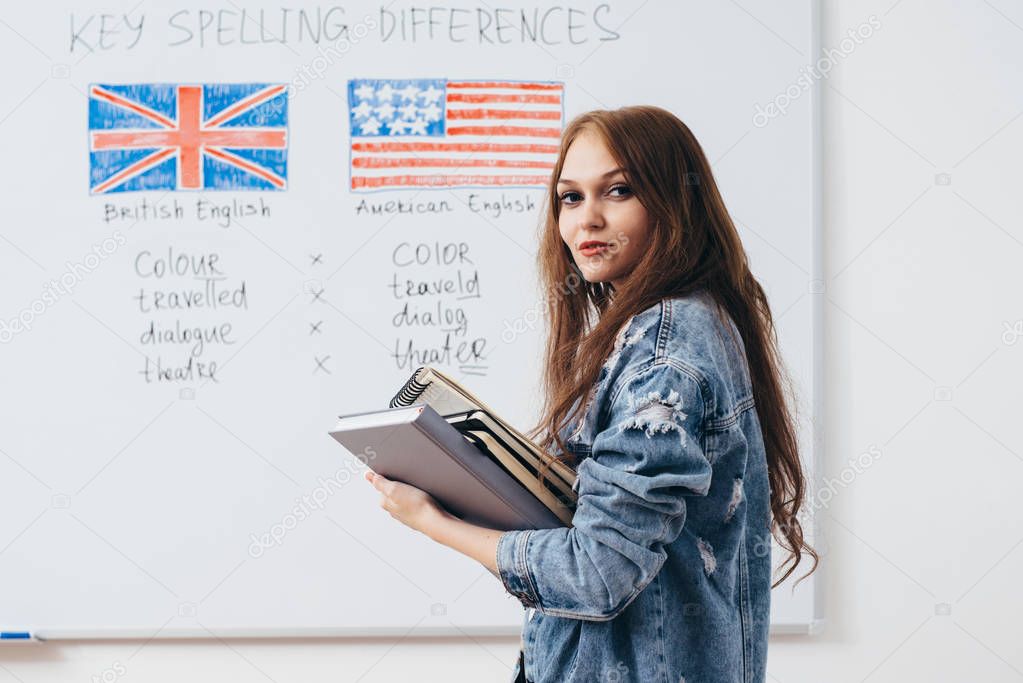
(665, 574)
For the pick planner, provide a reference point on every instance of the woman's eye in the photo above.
(572, 197)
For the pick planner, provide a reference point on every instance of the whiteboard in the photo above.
(179, 332)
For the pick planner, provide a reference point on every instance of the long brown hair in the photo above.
(693, 246)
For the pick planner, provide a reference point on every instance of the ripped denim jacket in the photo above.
(665, 573)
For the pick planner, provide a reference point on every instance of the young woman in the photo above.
(664, 388)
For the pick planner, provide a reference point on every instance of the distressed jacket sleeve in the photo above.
(632, 502)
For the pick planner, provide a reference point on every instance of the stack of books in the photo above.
(437, 436)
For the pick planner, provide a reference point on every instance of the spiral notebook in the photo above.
(429, 386)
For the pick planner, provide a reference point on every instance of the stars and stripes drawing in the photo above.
(413, 133)
(188, 137)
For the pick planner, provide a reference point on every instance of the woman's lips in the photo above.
(592, 248)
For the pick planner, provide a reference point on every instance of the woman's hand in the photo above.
(412, 507)
(419, 510)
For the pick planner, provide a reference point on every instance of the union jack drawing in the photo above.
(188, 137)
(434, 132)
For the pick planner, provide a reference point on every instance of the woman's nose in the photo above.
(590, 218)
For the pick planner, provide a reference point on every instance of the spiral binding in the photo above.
(411, 392)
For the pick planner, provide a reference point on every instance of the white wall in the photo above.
(923, 546)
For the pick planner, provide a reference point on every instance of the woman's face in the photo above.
(597, 206)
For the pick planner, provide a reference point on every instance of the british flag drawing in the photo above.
(436, 132)
(188, 137)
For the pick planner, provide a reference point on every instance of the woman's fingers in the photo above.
(379, 482)
(384, 486)
(402, 501)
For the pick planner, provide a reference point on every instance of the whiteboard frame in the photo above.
(818, 620)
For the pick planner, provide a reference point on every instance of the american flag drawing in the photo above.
(441, 133)
(188, 137)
